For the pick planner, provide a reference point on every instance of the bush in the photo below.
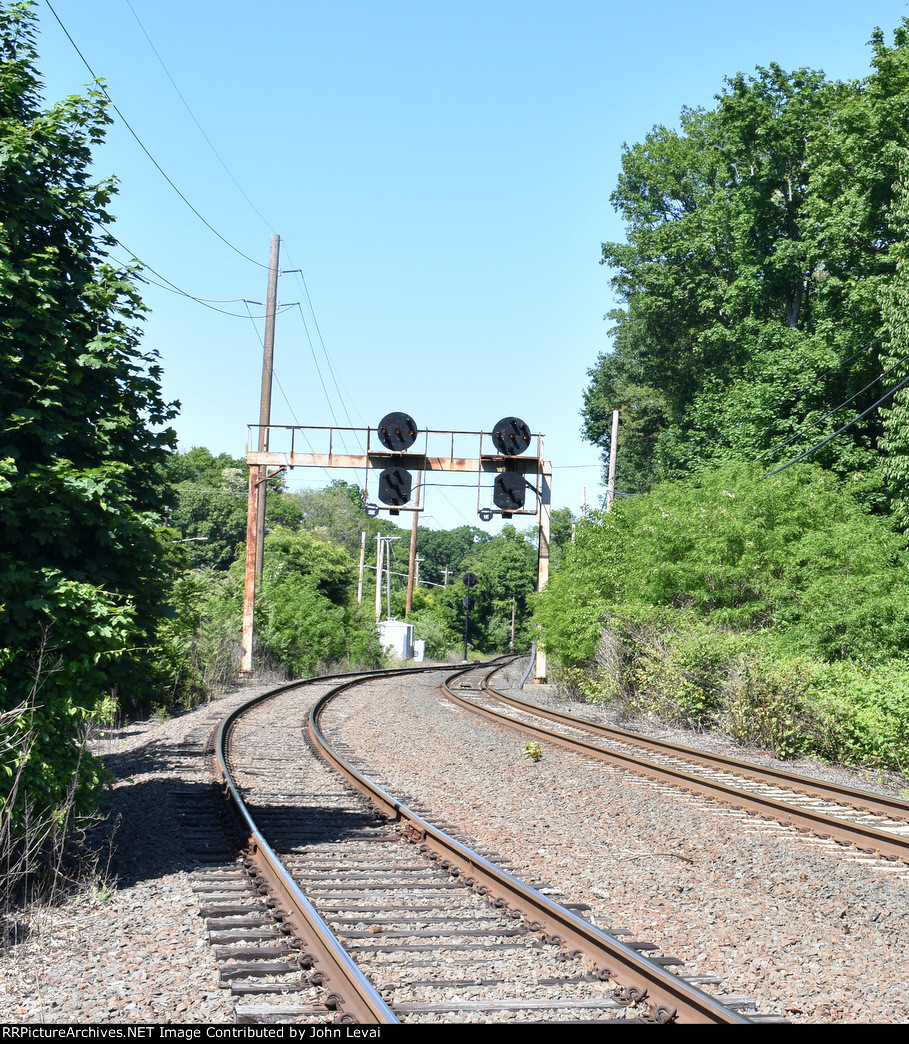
(765, 705)
(776, 610)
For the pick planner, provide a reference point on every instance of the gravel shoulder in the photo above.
(811, 932)
(130, 946)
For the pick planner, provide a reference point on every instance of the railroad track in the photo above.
(870, 822)
(353, 907)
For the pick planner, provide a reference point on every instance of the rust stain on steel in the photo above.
(412, 461)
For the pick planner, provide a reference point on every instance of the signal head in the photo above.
(397, 431)
(511, 436)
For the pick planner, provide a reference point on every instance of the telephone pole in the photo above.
(268, 358)
(412, 568)
(255, 510)
(613, 449)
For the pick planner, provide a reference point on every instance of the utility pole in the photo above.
(383, 551)
(543, 553)
(255, 510)
(268, 357)
(613, 449)
(362, 564)
(412, 561)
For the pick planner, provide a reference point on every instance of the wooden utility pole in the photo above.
(412, 561)
(268, 357)
(543, 552)
(613, 449)
(362, 565)
(255, 509)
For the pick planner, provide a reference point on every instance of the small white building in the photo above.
(397, 638)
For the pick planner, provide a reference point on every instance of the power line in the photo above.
(836, 409)
(171, 287)
(193, 117)
(141, 144)
(266, 222)
(331, 408)
(854, 420)
(813, 381)
(335, 380)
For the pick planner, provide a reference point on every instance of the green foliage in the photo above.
(505, 566)
(755, 606)
(436, 629)
(761, 241)
(895, 443)
(326, 568)
(533, 751)
(763, 282)
(199, 643)
(794, 551)
(306, 613)
(83, 572)
(209, 505)
(445, 550)
(766, 704)
(572, 608)
(336, 514)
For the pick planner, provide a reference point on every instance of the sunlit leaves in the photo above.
(83, 573)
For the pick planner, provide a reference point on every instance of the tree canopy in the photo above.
(759, 242)
(83, 573)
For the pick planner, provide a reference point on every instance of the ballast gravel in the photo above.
(811, 931)
(129, 946)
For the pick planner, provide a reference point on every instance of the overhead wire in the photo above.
(199, 126)
(820, 420)
(836, 409)
(168, 284)
(334, 377)
(144, 148)
(839, 431)
(826, 373)
(284, 395)
(171, 287)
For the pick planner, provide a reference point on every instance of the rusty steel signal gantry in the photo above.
(430, 451)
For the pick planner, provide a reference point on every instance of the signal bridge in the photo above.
(388, 454)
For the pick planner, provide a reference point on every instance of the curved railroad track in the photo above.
(367, 912)
(872, 823)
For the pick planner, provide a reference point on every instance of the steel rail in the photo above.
(644, 981)
(880, 804)
(351, 991)
(867, 838)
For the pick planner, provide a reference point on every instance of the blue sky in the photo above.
(439, 173)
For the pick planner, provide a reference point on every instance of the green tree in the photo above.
(793, 555)
(758, 243)
(306, 613)
(209, 505)
(895, 443)
(83, 568)
(336, 513)
(443, 551)
(505, 566)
